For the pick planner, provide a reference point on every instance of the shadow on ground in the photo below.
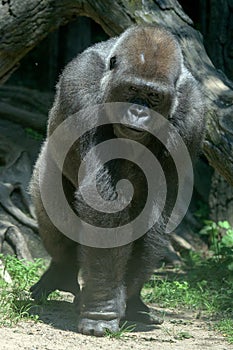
(61, 315)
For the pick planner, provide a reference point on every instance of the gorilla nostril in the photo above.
(139, 114)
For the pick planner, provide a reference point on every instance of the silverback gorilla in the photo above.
(144, 67)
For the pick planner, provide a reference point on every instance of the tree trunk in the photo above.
(217, 29)
(24, 23)
(221, 200)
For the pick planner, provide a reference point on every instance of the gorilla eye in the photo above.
(113, 62)
(133, 88)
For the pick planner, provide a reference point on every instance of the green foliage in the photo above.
(204, 285)
(226, 327)
(23, 272)
(15, 299)
(220, 236)
(175, 293)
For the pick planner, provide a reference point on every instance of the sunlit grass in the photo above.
(15, 301)
(204, 286)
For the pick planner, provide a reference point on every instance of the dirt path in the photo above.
(56, 331)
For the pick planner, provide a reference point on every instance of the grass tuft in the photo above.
(123, 331)
(15, 301)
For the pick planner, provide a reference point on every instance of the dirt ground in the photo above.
(57, 331)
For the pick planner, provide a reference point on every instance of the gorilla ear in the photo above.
(113, 62)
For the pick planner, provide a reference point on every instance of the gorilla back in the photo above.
(143, 67)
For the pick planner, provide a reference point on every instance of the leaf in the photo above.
(227, 240)
(224, 224)
(230, 266)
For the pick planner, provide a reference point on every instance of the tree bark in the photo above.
(26, 107)
(24, 23)
(217, 29)
(221, 200)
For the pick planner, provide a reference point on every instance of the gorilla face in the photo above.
(143, 73)
(141, 98)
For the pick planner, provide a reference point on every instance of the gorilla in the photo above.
(144, 68)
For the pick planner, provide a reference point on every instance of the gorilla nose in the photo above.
(139, 108)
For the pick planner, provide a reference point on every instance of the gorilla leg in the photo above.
(145, 257)
(58, 276)
(63, 269)
(103, 297)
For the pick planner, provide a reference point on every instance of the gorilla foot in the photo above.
(136, 310)
(41, 290)
(98, 327)
(144, 317)
(56, 277)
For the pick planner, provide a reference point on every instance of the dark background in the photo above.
(40, 69)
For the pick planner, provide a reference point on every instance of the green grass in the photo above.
(226, 327)
(123, 331)
(15, 301)
(203, 285)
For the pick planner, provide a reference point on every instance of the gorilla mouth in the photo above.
(124, 131)
(134, 129)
